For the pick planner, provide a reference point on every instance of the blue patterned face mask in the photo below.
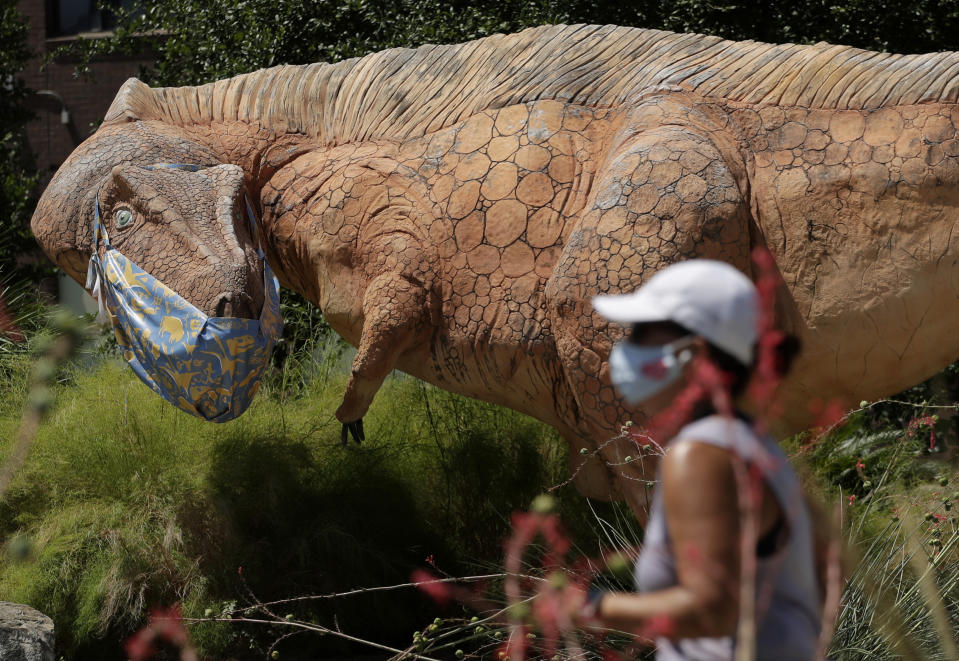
(207, 366)
(639, 372)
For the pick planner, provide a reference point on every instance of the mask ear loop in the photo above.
(253, 227)
(94, 283)
(269, 280)
(683, 352)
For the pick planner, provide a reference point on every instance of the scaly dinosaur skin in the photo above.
(466, 252)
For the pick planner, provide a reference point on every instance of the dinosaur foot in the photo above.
(354, 429)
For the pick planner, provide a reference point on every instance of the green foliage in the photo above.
(17, 179)
(907, 573)
(127, 503)
(198, 41)
(899, 523)
(27, 311)
(309, 349)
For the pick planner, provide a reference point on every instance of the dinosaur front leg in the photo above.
(393, 319)
(667, 195)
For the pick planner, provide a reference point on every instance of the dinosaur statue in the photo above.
(453, 209)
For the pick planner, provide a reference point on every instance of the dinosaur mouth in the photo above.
(235, 304)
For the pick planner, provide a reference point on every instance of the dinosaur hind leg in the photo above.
(664, 197)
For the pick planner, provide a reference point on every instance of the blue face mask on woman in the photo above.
(209, 367)
(639, 372)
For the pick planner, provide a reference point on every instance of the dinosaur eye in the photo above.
(123, 218)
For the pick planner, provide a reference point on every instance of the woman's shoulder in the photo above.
(717, 429)
(734, 434)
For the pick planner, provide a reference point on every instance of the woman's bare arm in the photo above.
(702, 514)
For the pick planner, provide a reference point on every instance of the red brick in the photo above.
(49, 140)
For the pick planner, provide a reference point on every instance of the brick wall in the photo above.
(86, 100)
(50, 141)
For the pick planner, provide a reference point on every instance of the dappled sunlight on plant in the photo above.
(124, 503)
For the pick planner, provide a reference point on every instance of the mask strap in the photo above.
(252, 216)
(98, 227)
(94, 282)
(680, 348)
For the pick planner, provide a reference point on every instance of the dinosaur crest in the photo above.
(403, 93)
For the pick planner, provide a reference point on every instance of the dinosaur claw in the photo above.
(354, 429)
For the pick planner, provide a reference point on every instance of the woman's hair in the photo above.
(785, 351)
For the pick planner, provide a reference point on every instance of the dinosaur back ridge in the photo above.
(404, 93)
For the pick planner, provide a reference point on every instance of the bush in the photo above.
(127, 503)
(17, 179)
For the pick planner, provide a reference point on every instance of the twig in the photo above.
(318, 629)
(379, 588)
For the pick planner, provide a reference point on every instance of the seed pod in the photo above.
(543, 504)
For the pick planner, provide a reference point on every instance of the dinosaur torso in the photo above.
(490, 203)
(484, 208)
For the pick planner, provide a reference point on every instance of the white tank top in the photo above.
(787, 594)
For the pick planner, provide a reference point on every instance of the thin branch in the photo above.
(318, 629)
(379, 588)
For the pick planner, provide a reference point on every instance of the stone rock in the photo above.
(26, 634)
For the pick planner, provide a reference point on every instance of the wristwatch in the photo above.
(594, 600)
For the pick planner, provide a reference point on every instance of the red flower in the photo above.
(7, 325)
(165, 624)
(139, 646)
(434, 587)
(657, 626)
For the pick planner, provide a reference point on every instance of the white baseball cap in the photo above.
(711, 299)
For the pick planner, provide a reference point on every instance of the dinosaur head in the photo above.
(188, 229)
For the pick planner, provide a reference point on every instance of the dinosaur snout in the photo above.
(241, 291)
(235, 304)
